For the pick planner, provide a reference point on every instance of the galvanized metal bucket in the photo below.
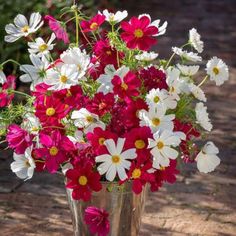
(125, 210)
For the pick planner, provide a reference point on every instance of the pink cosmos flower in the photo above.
(5, 97)
(93, 24)
(18, 139)
(97, 220)
(57, 28)
(139, 33)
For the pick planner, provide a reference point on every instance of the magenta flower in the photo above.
(57, 28)
(18, 139)
(97, 220)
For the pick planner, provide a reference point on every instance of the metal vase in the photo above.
(125, 209)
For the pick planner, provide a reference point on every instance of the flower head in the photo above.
(195, 40)
(189, 56)
(93, 24)
(114, 18)
(202, 116)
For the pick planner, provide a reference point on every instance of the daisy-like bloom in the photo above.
(3, 78)
(126, 87)
(18, 139)
(23, 28)
(156, 119)
(114, 18)
(197, 92)
(161, 148)
(34, 73)
(93, 24)
(189, 56)
(58, 29)
(74, 56)
(23, 165)
(207, 159)
(146, 56)
(157, 97)
(106, 79)
(83, 180)
(138, 33)
(202, 116)
(116, 162)
(63, 79)
(77, 138)
(217, 70)
(31, 123)
(87, 120)
(195, 40)
(188, 70)
(97, 220)
(40, 47)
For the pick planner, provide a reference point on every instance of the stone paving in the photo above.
(197, 204)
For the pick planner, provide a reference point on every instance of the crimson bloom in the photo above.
(57, 28)
(126, 87)
(5, 96)
(83, 180)
(139, 33)
(18, 139)
(93, 24)
(97, 220)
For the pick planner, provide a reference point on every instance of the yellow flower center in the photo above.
(43, 47)
(156, 121)
(27, 164)
(63, 79)
(138, 33)
(94, 26)
(53, 151)
(50, 111)
(216, 70)
(101, 141)
(34, 129)
(124, 86)
(139, 144)
(83, 180)
(156, 99)
(160, 145)
(108, 52)
(68, 94)
(136, 173)
(25, 29)
(115, 159)
(89, 119)
(162, 168)
(172, 89)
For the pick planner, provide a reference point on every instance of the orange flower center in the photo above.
(115, 159)
(50, 111)
(156, 121)
(139, 144)
(108, 52)
(94, 26)
(138, 33)
(136, 173)
(101, 141)
(160, 145)
(124, 86)
(53, 151)
(216, 70)
(43, 47)
(83, 180)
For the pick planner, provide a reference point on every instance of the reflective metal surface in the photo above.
(125, 210)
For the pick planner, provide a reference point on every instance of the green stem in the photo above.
(77, 27)
(10, 60)
(203, 81)
(20, 93)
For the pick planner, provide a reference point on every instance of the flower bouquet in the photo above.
(106, 111)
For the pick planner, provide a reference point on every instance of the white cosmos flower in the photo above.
(23, 165)
(189, 56)
(161, 146)
(188, 70)
(31, 123)
(207, 159)
(63, 78)
(197, 92)
(195, 40)
(217, 70)
(34, 73)
(105, 79)
(3, 78)
(156, 119)
(40, 47)
(157, 97)
(146, 56)
(115, 18)
(78, 137)
(22, 28)
(174, 82)
(202, 116)
(74, 56)
(86, 120)
(116, 162)
(156, 23)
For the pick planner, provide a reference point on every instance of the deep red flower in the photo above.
(18, 139)
(93, 24)
(126, 87)
(101, 103)
(139, 33)
(97, 220)
(153, 78)
(6, 97)
(83, 180)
